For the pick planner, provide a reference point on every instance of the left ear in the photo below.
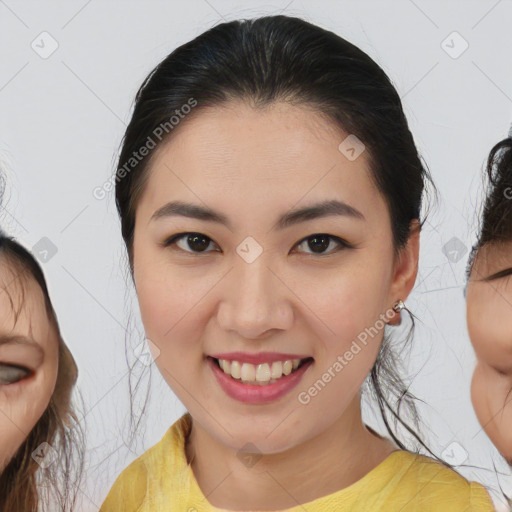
(405, 269)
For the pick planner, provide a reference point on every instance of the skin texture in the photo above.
(489, 320)
(24, 396)
(253, 166)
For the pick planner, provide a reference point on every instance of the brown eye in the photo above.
(195, 241)
(318, 243)
(10, 374)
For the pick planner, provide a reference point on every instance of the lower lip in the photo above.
(252, 393)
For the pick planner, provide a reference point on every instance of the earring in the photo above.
(399, 305)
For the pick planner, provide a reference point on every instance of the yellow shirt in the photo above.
(161, 481)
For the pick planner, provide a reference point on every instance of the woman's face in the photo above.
(250, 285)
(28, 359)
(489, 319)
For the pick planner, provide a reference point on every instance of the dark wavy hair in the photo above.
(24, 485)
(287, 59)
(495, 221)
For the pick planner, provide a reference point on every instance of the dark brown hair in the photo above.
(495, 221)
(24, 485)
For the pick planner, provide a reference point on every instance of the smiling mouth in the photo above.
(260, 374)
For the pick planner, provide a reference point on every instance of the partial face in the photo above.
(255, 291)
(489, 319)
(28, 360)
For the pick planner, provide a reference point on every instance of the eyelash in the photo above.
(175, 238)
(10, 367)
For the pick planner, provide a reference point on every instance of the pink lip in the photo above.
(260, 358)
(254, 394)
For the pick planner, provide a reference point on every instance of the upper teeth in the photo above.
(261, 373)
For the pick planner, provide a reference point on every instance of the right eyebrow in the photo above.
(20, 340)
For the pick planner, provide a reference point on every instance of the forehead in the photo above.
(22, 305)
(277, 155)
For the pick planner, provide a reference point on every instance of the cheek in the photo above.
(164, 293)
(169, 306)
(11, 439)
(351, 304)
(21, 407)
(157, 309)
(489, 319)
(166, 302)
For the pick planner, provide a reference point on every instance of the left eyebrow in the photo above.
(315, 211)
(502, 273)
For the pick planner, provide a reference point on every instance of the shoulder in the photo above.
(433, 482)
(129, 492)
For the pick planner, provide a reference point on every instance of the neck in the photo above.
(326, 463)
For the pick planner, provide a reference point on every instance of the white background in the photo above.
(61, 122)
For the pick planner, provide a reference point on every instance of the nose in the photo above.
(255, 300)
